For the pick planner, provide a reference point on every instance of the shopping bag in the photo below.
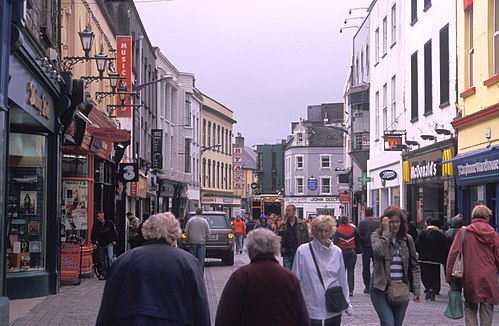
(454, 308)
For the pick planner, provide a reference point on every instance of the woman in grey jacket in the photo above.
(394, 258)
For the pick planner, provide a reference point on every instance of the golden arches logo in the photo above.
(447, 167)
(406, 172)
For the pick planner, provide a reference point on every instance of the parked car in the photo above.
(220, 242)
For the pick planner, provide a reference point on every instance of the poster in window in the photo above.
(28, 202)
(34, 228)
(35, 246)
(75, 202)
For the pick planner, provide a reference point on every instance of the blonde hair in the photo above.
(162, 226)
(263, 241)
(481, 211)
(323, 222)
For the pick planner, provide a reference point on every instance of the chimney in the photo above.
(239, 140)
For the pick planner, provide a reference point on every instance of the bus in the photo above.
(267, 204)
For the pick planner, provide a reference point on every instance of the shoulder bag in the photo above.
(398, 293)
(458, 268)
(335, 299)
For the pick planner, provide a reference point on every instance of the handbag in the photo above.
(335, 298)
(458, 268)
(454, 308)
(398, 294)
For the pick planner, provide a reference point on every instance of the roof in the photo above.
(324, 137)
(249, 158)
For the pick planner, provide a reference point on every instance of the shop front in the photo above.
(88, 178)
(33, 180)
(477, 181)
(220, 203)
(311, 207)
(429, 182)
(385, 187)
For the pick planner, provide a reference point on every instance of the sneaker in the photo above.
(366, 290)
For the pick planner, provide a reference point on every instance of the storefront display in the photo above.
(26, 212)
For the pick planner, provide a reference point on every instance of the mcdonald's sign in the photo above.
(391, 143)
(447, 167)
(406, 171)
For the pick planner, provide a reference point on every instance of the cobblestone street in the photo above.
(78, 305)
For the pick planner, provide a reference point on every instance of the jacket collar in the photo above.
(264, 257)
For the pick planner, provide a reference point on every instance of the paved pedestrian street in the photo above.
(78, 305)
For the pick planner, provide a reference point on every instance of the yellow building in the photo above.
(217, 192)
(477, 165)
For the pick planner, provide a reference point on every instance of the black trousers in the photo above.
(367, 257)
(430, 276)
(335, 321)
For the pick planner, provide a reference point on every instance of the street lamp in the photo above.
(87, 40)
(204, 149)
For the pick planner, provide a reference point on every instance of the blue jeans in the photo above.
(288, 261)
(350, 259)
(389, 315)
(239, 242)
(199, 251)
(106, 254)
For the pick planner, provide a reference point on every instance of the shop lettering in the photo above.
(315, 199)
(424, 171)
(478, 167)
(38, 102)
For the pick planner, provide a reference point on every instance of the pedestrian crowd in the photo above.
(158, 284)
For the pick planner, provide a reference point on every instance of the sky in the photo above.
(266, 60)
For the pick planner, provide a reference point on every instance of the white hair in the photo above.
(162, 226)
(263, 241)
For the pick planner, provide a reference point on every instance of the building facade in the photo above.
(476, 165)
(313, 162)
(430, 81)
(270, 168)
(217, 192)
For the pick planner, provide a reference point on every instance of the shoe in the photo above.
(366, 290)
(432, 297)
(351, 294)
(241, 252)
(102, 278)
(429, 295)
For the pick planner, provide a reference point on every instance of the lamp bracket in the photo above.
(69, 62)
(90, 79)
(99, 96)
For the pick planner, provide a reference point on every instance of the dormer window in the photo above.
(299, 137)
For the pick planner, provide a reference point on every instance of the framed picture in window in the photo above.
(28, 202)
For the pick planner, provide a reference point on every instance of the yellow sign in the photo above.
(447, 167)
(39, 102)
(406, 172)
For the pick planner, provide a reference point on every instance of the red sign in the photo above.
(111, 134)
(124, 68)
(391, 143)
(467, 3)
(70, 261)
(345, 198)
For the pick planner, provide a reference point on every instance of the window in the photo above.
(385, 35)
(188, 109)
(325, 161)
(218, 138)
(299, 137)
(222, 149)
(299, 185)
(209, 173)
(394, 24)
(204, 173)
(299, 163)
(376, 113)
(385, 107)
(376, 44)
(444, 65)
(496, 37)
(187, 153)
(414, 85)
(214, 135)
(428, 85)
(361, 66)
(325, 185)
(213, 176)
(209, 134)
(394, 101)
(367, 59)
(414, 11)
(469, 27)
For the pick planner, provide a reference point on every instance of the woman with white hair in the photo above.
(265, 283)
(155, 284)
(329, 261)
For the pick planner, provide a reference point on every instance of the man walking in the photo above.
(197, 230)
(104, 237)
(366, 227)
(293, 232)
(133, 230)
(239, 232)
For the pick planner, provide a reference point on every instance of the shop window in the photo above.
(477, 195)
(74, 165)
(26, 213)
(74, 223)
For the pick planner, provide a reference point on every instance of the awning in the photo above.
(477, 167)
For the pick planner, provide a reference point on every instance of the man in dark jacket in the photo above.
(104, 237)
(263, 282)
(433, 248)
(294, 233)
(155, 284)
(366, 227)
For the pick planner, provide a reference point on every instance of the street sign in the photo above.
(312, 184)
(254, 185)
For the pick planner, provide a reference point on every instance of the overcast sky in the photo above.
(266, 60)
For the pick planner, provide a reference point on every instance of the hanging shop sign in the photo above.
(129, 172)
(124, 68)
(388, 175)
(392, 142)
(157, 148)
(111, 134)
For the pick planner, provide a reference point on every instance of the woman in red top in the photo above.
(348, 239)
